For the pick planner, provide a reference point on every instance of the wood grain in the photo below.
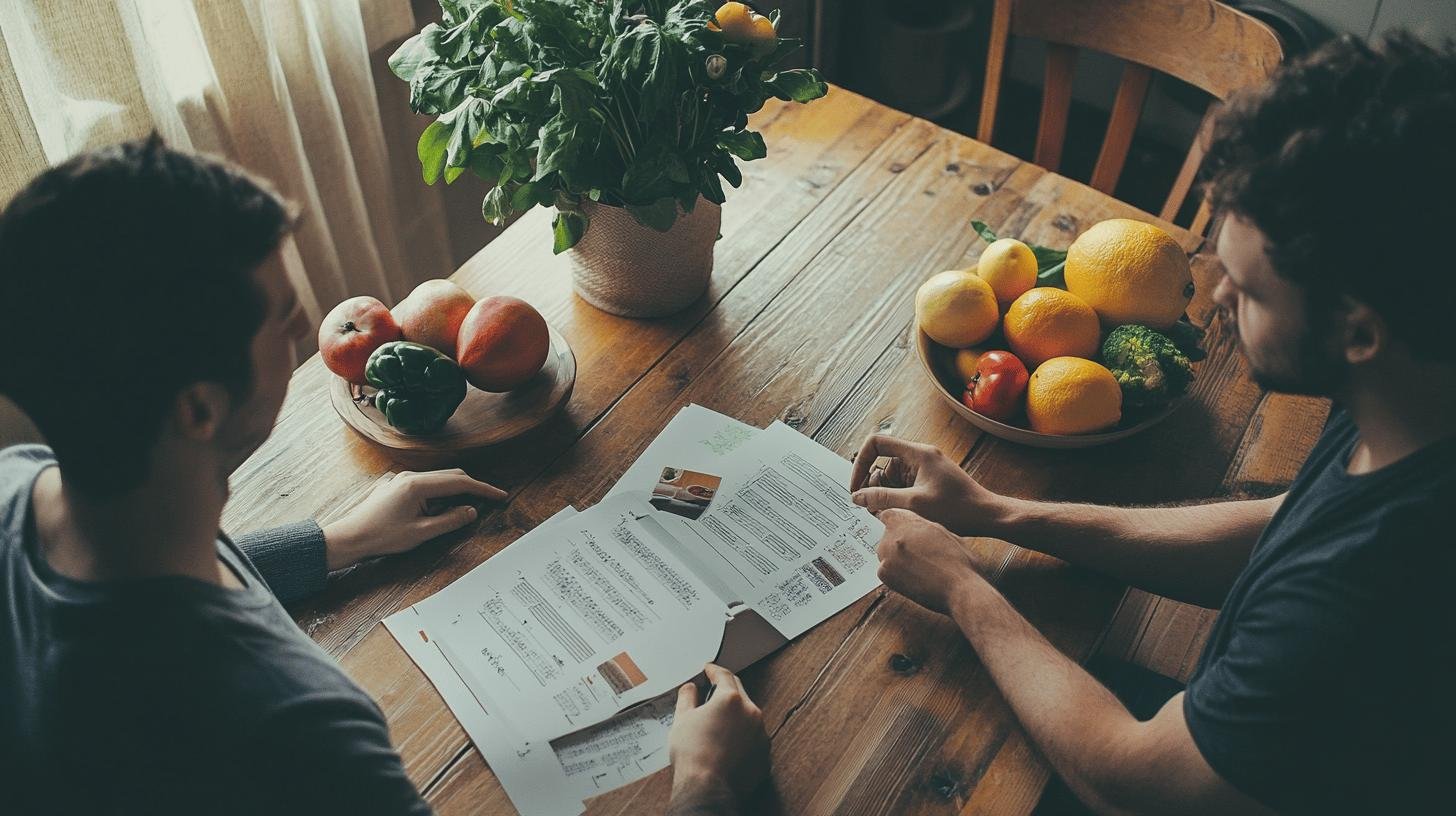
(882, 708)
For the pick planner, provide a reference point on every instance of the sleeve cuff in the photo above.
(290, 558)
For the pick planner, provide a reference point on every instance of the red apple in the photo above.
(997, 387)
(431, 315)
(351, 332)
(503, 342)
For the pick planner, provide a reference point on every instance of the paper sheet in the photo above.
(529, 771)
(569, 624)
(783, 533)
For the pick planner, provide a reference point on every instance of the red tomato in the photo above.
(996, 390)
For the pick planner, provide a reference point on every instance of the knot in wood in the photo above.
(982, 189)
(903, 664)
(944, 784)
(897, 167)
(1065, 223)
(952, 168)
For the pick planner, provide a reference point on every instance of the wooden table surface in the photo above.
(883, 708)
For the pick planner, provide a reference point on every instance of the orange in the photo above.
(1130, 272)
(1069, 395)
(1046, 323)
(956, 309)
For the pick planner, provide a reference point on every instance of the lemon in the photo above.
(741, 24)
(965, 362)
(1070, 395)
(1046, 323)
(956, 309)
(1010, 267)
(1130, 272)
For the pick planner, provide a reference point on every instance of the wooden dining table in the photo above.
(883, 708)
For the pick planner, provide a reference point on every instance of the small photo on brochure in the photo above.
(686, 493)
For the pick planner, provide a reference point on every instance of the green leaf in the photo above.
(723, 163)
(567, 229)
(431, 150)
(711, 189)
(407, 60)
(559, 147)
(486, 165)
(1047, 258)
(1052, 275)
(797, 85)
(984, 230)
(452, 173)
(744, 144)
(524, 198)
(466, 122)
(658, 215)
(496, 208)
(646, 179)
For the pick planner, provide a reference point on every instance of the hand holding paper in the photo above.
(719, 747)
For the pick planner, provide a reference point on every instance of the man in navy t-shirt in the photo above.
(1326, 686)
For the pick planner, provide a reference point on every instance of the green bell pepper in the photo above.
(419, 388)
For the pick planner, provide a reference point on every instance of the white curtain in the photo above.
(285, 88)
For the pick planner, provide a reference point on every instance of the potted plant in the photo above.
(623, 115)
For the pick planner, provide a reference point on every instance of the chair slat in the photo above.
(1125, 112)
(1186, 175)
(1056, 101)
(995, 66)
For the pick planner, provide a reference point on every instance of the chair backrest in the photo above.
(1202, 42)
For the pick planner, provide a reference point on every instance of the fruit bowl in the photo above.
(483, 419)
(936, 362)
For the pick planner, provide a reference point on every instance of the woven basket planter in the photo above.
(625, 268)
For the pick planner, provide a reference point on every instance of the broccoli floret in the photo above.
(1147, 364)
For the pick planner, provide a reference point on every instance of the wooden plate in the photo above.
(483, 418)
(936, 368)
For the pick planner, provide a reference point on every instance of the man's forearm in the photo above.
(1076, 723)
(702, 798)
(1187, 553)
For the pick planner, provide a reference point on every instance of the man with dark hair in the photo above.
(146, 662)
(1324, 687)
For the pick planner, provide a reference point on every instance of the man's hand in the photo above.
(719, 749)
(922, 479)
(922, 560)
(403, 512)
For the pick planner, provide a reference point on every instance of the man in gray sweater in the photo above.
(146, 662)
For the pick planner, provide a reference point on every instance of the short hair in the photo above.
(127, 275)
(1343, 160)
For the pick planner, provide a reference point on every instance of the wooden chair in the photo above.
(1202, 42)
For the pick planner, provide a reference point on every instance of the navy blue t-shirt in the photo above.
(1326, 685)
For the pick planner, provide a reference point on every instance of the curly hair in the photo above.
(1344, 161)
